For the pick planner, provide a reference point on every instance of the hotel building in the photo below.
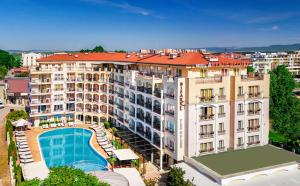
(169, 105)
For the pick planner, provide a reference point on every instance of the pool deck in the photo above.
(32, 139)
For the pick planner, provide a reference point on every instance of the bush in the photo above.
(106, 124)
(17, 114)
(71, 176)
(114, 130)
(175, 178)
(34, 182)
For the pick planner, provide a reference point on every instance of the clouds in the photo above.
(126, 7)
(275, 27)
(273, 17)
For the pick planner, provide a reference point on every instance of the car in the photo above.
(1, 104)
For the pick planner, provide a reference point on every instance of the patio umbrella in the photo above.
(20, 123)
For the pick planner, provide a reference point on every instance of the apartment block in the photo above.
(173, 104)
(265, 62)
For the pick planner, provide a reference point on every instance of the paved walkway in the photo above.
(4, 168)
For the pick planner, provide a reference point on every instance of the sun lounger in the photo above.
(24, 149)
(22, 143)
(108, 150)
(26, 156)
(46, 126)
(53, 125)
(62, 124)
(71, 124)
(26, 160)
(25, 153)
(103, 143)
(19, 132)
(20, 135)
(21, 146)
(102, 139)
(20, 138)
(107, 146)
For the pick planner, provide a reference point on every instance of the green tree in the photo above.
(250, 69)
(33, 182)
(120, 51)
(98, 48)
(112, 161)
(175, 178)
(17, 114)
(3, 72)
(62, 176)
(8, 60)
(284, 106)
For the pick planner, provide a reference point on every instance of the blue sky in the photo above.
(134, 24)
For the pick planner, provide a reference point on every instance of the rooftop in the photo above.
(232, 162)
(18, 85)
(182, 59)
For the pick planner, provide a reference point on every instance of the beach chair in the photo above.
(62, 124)
(46, 126)
(26, 156)
(102, 139)
(22, 143)
(20, 134)
(21, 138)
(108, 150)
(109, 153)
(108, 146)
(25, 153)
(23, 146)
(24, 149)
(71, 124)
(26, 160)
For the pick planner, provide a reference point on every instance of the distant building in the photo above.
(17, 90)
(265, 62)
(29, 59)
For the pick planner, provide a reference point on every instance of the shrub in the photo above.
(106, 124)
(114, 130)
(71, 176)
(175, 178)
(33, 182)
(17, 114)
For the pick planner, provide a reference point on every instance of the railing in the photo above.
(207, 150)
(254, 112)
(221, 115)
(169, 130)
(254, 95)
(207, 135)
(221, 97)
(170, 95)
(207, 117)
(207, 99)
(170, 148)
(240, 130)
(253, 143)
(253, 128)
(203, 80)
(221, 132)
(157, 109)
(240, 112)
(170, 112)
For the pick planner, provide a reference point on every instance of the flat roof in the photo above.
(232, 162)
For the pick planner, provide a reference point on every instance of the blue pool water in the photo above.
(71, 147)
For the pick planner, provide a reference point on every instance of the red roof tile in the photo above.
(184, 59)
(18, 85)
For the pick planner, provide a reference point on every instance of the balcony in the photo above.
(71, 89)
(170, 112)
(221, 132)
(207, 117)
(148, 105)
(156, 141)
(140, 102)
(254, 95)
(221, 97)
(170, 148)
(132, 100)
(157, 109)
(207, 135)
(170, 95)
(240, 112)
(127, 96)
(132, 87)
(140, 130)
(221, 115)
(254, 112)
(170, 130)
(132, 114)
(121, 95)
(140, 116)
(254, 128)
(148, 90)
(111, 102)
(240, 130)
(208, 150)
(120, 118)
(156, 124)
(148, 135)
(241, 96)
(120, 106)
(253, 143)
(207, 99)
(148, 120)
(222, 148)
(126, 108)
(157, 93)
(140, 88)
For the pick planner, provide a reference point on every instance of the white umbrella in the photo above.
(20, 123)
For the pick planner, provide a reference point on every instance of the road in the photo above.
(4, 168)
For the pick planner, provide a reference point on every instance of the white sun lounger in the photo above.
(22, 143)
(102, 139)
(109, 153)
(108, 150)
(20, 135)
(20, 138)
(103, 143)
(53, 125)
(107, 146)
(46, 126)
(71, 124)
(24, 149)
(26, 156)
(21, 146)
(19, 132)
(62, 124)
(26, 160)
(25, 153)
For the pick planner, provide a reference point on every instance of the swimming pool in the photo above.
(71, 147)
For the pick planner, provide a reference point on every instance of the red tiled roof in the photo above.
(18, 85)
(185, 59)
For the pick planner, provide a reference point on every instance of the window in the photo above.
(221, 109)
(253, 91)
(240, 125)
(221, 144)
(253, 124)
(58, 107)
(240, 141)
(240, 91)
(206, 93)
(204, 147)
(221, 127)
(206, 129)
(240, 108)
(221, 91)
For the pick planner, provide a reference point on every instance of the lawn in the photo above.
(245, 160)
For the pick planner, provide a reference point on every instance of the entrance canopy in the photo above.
(125, 154)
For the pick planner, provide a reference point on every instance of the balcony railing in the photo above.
(157, 109)
(253, 143)
(207, 135)
(221, 97)
(169, 148)
(253, 128)
(170, 112)
(170, 95)
(207, 117)
(207, 150)
(240, 130)
(254, 95)
(207, 99)
(132, 100)
(221, 115)
(221, 132)
(254, 112)
(240, 112)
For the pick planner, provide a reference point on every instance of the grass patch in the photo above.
(248, 159)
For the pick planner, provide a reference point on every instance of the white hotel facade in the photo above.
(169, 105)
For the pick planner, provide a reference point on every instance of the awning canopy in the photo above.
(125, 154)
(33, 170)
(20, 123)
